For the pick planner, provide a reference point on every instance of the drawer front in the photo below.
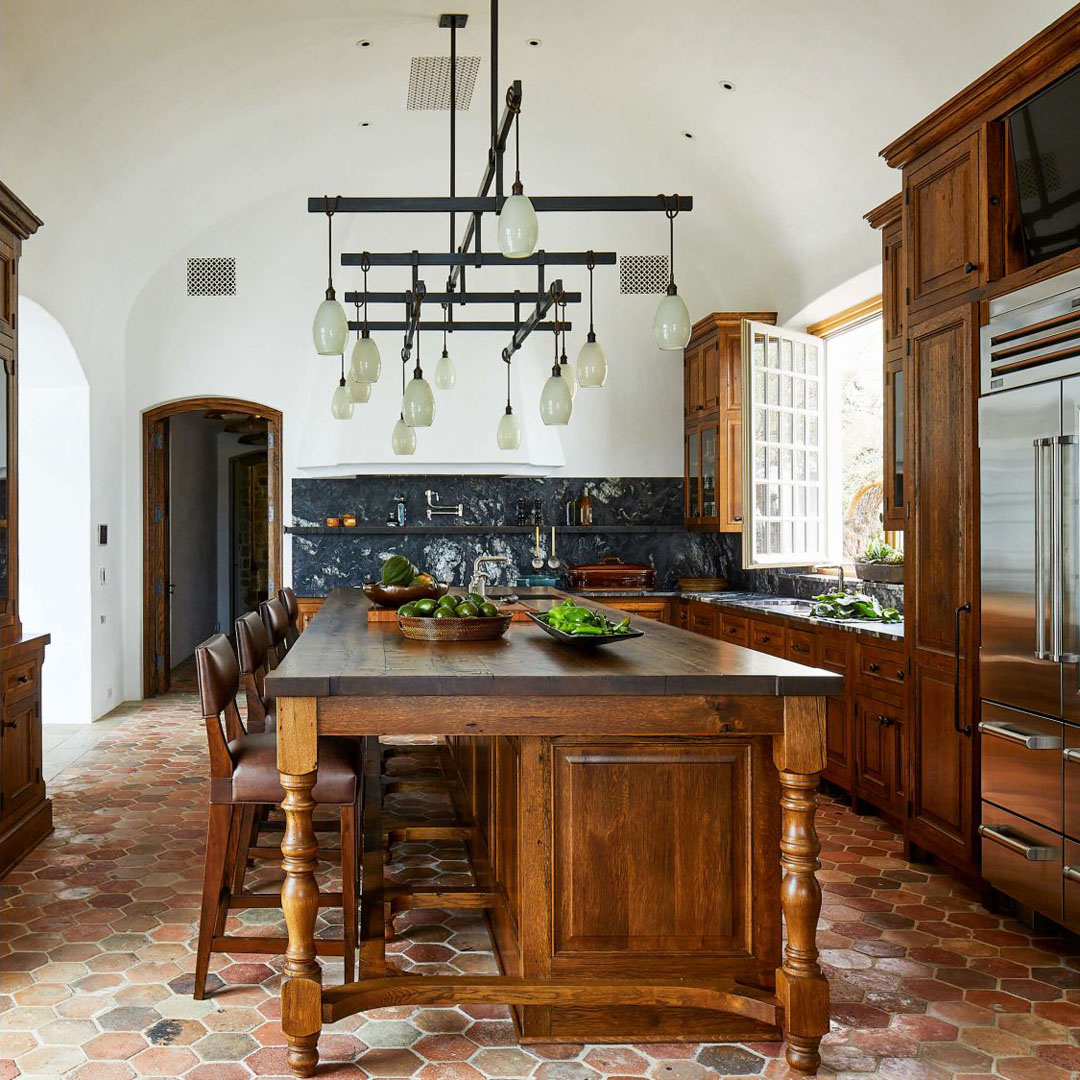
(1023, 860)
(1071, 768)
(767, 638)
(1022, 763)
(704, 618)
(801, 646)
(833, 654)
(682, 614)
(22, 680)
(736, 629)
(1071, 875)
(882, 668)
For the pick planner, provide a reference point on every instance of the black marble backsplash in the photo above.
(322, 563)
(791, 583)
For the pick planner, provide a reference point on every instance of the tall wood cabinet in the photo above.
(25, 811)
(712, 421)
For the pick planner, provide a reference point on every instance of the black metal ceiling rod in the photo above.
(486, 258)
(414, 301)
(456, 325)
(453, 298)
(489, 204)
(533, 322)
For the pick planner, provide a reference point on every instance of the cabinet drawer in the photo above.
(767, 638)
(736, 629)
(834, 654)
(1021, 763)
(21, 680)
(801, 646)
(704, 618)
(659, 610)
(880, 668)
(1071, 873)
(1023, 860)
(1071, 767)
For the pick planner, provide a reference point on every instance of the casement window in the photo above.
(812, 440)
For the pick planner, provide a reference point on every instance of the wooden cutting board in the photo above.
(378, 614)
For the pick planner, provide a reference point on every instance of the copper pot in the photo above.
(611, 573)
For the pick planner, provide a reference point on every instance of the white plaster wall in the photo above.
(193, 531)
(56, 578)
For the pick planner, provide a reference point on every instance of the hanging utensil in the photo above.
(538, 559)
(553, 562)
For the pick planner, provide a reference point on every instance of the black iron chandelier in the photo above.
(517, 230)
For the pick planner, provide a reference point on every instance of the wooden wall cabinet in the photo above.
(25, 811)
(712, 421)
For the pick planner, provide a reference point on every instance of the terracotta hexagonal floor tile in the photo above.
(164, 1061)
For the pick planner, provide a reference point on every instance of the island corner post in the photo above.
(741, 773)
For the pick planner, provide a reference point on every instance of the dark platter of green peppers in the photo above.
(576, 625)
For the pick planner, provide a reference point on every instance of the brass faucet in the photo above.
(839, 572)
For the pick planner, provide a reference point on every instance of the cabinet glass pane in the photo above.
(4, 508)
(708, 473)
(897, 499)
(693, 474)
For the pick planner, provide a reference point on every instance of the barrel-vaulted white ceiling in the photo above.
(133, 126)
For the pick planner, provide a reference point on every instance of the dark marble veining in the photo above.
(805, 586)
(321, 563)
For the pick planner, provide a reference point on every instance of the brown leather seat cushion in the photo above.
(255, 777)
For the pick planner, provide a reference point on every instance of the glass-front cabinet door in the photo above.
(693, 477)
(892, 515)
(709, 449)
(6, 491)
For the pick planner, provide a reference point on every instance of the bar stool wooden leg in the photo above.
(348, 889)
(218, 837)
(248, 837)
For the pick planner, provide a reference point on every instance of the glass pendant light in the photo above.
(366, 366)
(556, 401)
(671, 324)
(418, 402)
(359, 392)
(330, 330)
(567, 372)
(445, 372)
(403, 439)
(508, 433)
(341, 406)
(591, 362)
(517, 227)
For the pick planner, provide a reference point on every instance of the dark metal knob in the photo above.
(12, 724)
(970, 268)
(873, 667)
(23, 679)
(900, 674)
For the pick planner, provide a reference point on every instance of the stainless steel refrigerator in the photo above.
(1029, 670)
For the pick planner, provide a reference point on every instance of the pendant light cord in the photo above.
(671, 212)
(514, 105)
(365, 265)
(330, 244)
(591, 264)
(508, 406)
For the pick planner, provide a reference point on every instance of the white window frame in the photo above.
(808, 554)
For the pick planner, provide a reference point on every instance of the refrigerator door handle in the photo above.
(1065, 631)
(1057, 568)
(1041, 652)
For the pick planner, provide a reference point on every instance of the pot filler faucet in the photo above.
(434, 508)
(480, 580)
(839, 573)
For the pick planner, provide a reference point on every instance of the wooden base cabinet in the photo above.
(25, 812)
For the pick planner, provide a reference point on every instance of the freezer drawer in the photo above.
(1071, 769)
(1023, 860)
(1071, 875)
(1022, 763)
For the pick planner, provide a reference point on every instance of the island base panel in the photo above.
(629, 1024)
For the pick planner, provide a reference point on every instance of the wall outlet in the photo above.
(102, 620)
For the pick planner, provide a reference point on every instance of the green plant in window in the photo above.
(877, 551)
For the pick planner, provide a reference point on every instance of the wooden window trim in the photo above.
(849, 317)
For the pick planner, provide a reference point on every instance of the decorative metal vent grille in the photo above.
(1032, 183)
(211, 276)
(429, 81)
(643, 273)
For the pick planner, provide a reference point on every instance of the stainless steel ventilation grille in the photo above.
(429, 81)
(643, 273)
(214, 276)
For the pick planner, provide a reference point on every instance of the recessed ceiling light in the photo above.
(726, 84)
(536, 42)
(365, 123)
(363, 43)
(688, 134)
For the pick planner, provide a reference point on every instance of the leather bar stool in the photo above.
(276, 620)
(292, 609)
(243, 773)
(253, 649)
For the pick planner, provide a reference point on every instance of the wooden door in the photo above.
(731, 474)
(834, 654)
(20, 756)
(879, 742)
(710, 472)
(156, 660)
(693, 391)
(942, 587)
(892, 289)
(942, 233)
(893, 463)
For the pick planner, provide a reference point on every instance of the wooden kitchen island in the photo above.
(637, 817)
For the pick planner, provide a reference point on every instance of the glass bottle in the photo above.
(585, 508)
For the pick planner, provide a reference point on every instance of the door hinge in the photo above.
(886, 253)
(159, 662)
(907, 295)
(270, 513)
(37, 775)
(159, 441)
(1, 800)
(910, 808)
(159, 587)
(271, 591)
(907, 347)
(159, 515)
(907, 195)
(269, 440)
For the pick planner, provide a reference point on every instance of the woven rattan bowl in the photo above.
(475, 629)
(395, 595)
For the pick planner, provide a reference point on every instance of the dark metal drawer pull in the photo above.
(1028, 741)
(872, 667)
(23, 679)
(1072, 873)
(12, 724)
(1031, 852)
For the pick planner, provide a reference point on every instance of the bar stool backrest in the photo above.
(276, 620)
(219, 681)
(253, 647)
(292, 609)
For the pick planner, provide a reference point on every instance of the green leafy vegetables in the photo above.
(570, 618)
(852, 606)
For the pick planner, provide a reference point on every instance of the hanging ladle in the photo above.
(553, 562)
(538, 559)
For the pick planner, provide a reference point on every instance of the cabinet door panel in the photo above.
(710, 374)
(692, 477)
(692, 385)
(838, 740)
(20, 749)
(880, 740)
(730, 347)
(731, 505)
(710, 454)
(892, 289)
(893, 464)
(942, 225)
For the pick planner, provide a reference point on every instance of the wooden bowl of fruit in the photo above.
(453, 617)
(401, 583)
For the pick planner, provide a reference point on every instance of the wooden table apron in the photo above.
(794, 723)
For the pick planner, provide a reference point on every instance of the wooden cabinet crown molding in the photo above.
(718, 319)
(16, 215)
(885, 213)
(1047, 56)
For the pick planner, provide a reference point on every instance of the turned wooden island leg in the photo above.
(301, 990)
(800, 985)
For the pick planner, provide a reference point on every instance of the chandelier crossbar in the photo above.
(489, 204)
(483, 258)
(518, 297)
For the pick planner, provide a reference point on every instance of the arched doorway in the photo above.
(195, 502)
